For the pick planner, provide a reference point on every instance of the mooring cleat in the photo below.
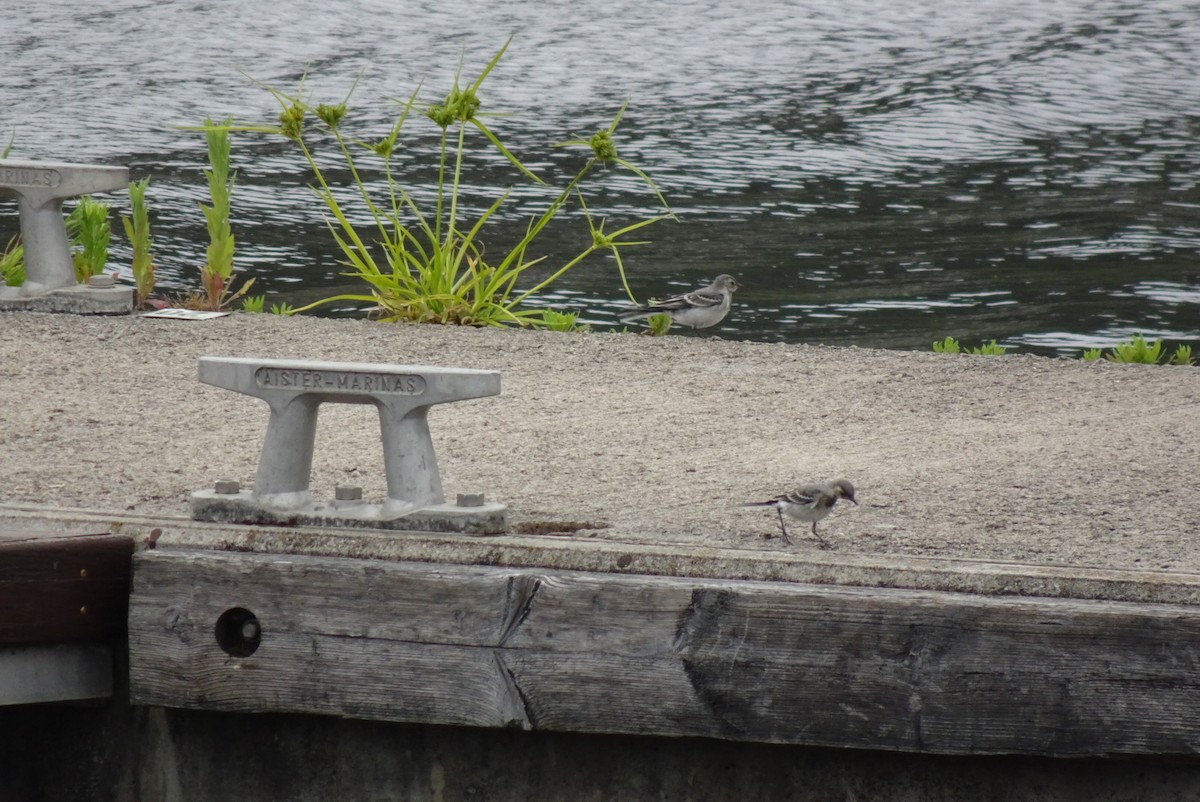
(294, 389)
(40, 189)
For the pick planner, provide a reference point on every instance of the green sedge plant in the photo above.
(562, 321)
(283, 309)
(947, 346)
(12, 263)
(253, 303)
(90, 232)
(137, 229)
(428, 265)
(658, 324)
(216, 276)
(1138, 350)
(952, 346)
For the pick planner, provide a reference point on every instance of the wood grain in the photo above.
(62, 589)
(920, 671)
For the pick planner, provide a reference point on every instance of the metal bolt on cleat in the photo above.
(347, 493)
(470, 499)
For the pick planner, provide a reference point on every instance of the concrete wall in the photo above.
(115, 752)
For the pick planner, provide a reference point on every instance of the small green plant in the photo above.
(561, 321)
(8, 148)
(947, 346)
(253, 303)
(12, 263)
(89, 230)
(137, 229)
(952, 346)
(1137, 351)
(283, 309)
(428, 265)
(990, 349)
(217, 273)
(658, 325)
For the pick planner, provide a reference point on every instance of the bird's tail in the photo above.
(635, 314)
(770, 503)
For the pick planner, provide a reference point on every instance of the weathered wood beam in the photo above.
(920, 671)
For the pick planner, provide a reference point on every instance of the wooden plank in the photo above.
(920, 671)
(63, 589)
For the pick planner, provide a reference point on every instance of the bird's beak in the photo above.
(852, 501)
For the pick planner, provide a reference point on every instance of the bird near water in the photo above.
(698, 309)
(810, 504)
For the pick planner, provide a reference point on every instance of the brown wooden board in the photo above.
(62, 589)
(920, 671)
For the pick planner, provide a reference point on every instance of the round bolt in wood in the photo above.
(101, 281)
(238, 632)
(227, 487)
(251, 631)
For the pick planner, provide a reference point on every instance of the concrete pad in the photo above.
(80, 299)
(1038, 474)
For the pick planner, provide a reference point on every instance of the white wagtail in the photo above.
(698, 310)
(810, 504)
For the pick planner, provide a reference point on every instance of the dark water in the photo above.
(875, 172)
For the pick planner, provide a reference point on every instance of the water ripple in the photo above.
(874, 172)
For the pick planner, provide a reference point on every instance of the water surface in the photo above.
(875, 173)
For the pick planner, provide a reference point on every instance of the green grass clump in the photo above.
(89, 230)
(1136, 351)
(253, 303)
(952, 346)
(658, 324)
(1140, 351)
(137, 228)
(216, 276)
(561, 321)
(947, 346)
(12, 263)
(990, 349)
(283, 309)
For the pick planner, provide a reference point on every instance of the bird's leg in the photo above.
(783, 528)
(824, 542)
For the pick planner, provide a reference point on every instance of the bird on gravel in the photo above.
(697, 310)
(810, 504)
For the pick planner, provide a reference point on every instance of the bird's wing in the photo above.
(803, 495)
(704, 299)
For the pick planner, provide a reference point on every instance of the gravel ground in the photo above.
(646, 440)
